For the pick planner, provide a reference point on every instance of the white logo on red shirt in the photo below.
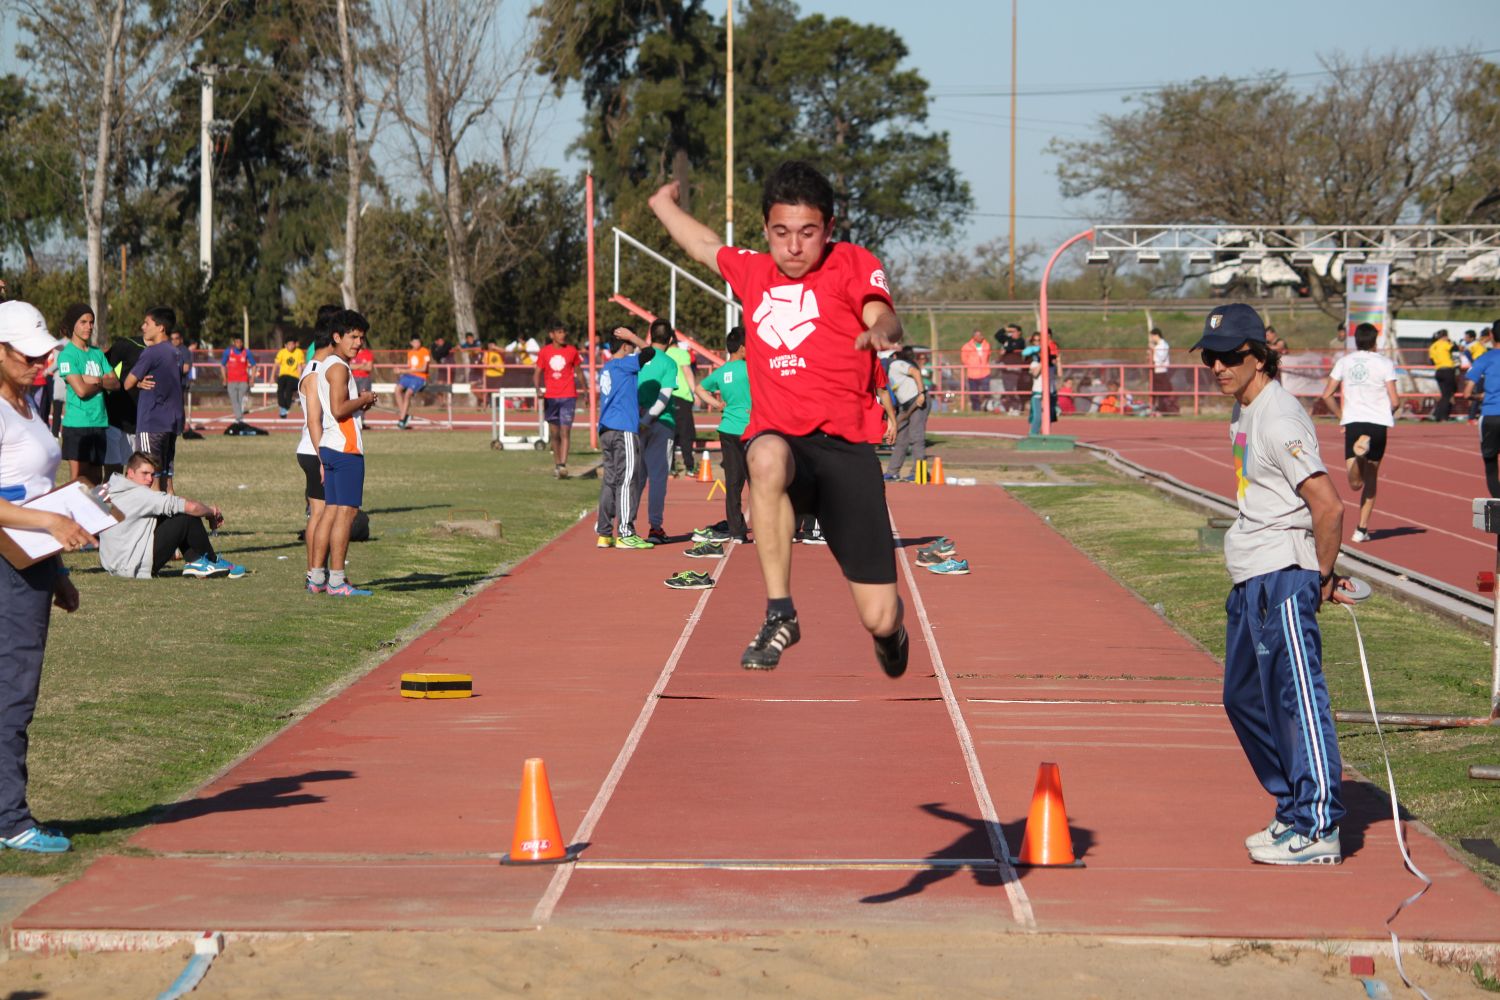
(556, 363)
(877, 278)
(785, 316)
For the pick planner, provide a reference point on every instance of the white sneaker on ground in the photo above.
(1300, 850)
(1360, 535)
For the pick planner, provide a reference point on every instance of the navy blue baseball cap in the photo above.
(1229, 326)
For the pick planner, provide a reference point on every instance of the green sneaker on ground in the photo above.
(688, 580)
(706, 550)
(632, 542)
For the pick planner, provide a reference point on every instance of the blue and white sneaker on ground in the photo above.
(1299, 850)
(202, 568)
(951, 567)
(347, 589)
(38, 840)
(223, 567)
(944, 545)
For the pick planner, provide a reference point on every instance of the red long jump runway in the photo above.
(821, 794)
(1428, 479)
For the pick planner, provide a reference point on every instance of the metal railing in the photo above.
(674, 270)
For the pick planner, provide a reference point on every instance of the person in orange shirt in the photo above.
(976, 359)
(412, 381)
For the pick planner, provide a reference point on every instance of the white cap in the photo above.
(24, 329)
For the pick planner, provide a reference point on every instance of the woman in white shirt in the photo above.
(29, 456)
(1369, 408)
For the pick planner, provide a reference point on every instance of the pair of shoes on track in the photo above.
(777, 634)
(1279, 844)
(941, 557)
(713, 533)
(689, 580)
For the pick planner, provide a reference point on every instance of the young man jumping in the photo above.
(816, 313)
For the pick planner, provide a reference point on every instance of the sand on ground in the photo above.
(827, 965)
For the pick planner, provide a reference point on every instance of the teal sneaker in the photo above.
(223, 567)
(347, 589)
(632, 542)
(38, 840)
(201, 568)
(944, 545)
(951, 567)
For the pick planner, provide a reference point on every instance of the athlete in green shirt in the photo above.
(655, 384)
(87, 374)
(732, 383)
(682, 407)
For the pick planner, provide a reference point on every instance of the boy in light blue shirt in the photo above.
(622, 472)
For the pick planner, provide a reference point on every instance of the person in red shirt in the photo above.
(556, 378)
(363, 370)
(816, 312)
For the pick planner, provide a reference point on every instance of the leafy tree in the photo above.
(37, 178)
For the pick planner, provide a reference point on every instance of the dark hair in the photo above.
(661, 332)
(1365, 336)
(557, 324)
(74, 313)
(1155, 332)
(797, 182)
(1270, 359)
(1439, 335)
(140, 458)
(618, 343)
(323, 326)
(162, 317)
(734, 339)
(347, 321)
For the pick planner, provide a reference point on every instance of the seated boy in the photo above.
(157, 525)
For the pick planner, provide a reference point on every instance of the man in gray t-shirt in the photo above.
(1280, 555)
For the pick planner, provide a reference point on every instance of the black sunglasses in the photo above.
(30, 361)
(1230, 359)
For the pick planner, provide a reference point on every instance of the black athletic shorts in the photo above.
(1376, 434)
(84, 444)
(161, 446)
(312, 468)
(840, 483)
(1489, 437)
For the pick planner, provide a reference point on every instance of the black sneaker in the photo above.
(892, 652)
(657, 536)
(764, 651)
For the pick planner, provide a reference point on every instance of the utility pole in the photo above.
(729, 156)
(205, 175)
(1013, 49)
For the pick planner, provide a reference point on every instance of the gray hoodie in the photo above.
(127, 548)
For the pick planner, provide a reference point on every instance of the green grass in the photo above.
(1420, 661)
(154, 686)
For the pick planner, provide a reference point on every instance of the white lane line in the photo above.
(548, 903)
(1020, 904)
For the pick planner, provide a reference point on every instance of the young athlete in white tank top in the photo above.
(338, 435)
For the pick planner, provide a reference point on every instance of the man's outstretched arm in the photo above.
(697, 240)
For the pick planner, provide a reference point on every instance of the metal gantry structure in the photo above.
(1298, 244)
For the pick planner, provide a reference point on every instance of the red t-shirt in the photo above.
(557, 365)
(805, 374)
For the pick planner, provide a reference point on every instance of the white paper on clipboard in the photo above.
(74, 501)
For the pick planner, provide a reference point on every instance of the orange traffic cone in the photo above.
(1048, 842)
(705, 469)
(538, 839)
(937, 471)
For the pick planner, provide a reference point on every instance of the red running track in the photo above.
(1428, 480)
(715, 799)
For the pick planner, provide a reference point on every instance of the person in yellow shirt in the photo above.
(494, 365)
(1445, 371)
(289, 362)
(413, 380)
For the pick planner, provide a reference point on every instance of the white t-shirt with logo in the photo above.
(1161, 355)
(1364, 375)
(1275, 450)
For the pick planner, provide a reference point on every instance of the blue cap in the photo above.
(1229, 326)
(1031, 352)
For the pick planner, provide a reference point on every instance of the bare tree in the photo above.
(458, 90)
(108, 63)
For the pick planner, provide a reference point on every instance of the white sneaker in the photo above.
(1360, 535)
(1268, 836)
(1300, 850)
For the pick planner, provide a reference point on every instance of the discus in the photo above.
(1358, 589)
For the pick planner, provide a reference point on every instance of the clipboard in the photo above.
(24, 547)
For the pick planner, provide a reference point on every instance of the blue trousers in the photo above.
(25, 609)
(656, 443)
(1276, 699)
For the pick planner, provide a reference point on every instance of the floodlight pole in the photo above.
(1011, 279)
(1087, 234)
(205, 174)
(588, 235)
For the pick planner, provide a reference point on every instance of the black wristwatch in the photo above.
(1323, 578)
